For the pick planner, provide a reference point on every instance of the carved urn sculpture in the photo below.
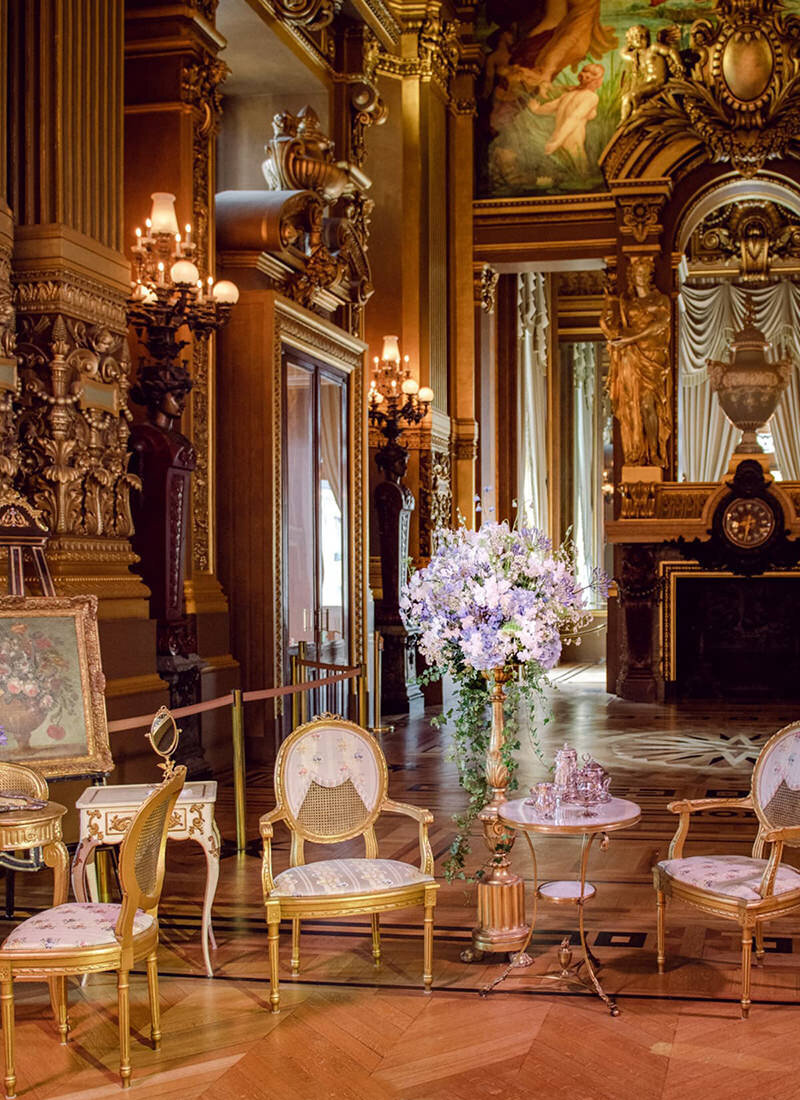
(750, 384)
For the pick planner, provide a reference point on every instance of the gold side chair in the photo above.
(85, 937)
(748, 889)
(330, 785)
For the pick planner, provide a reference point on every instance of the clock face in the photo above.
(748, 523)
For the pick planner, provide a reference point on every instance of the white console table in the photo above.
(106, 814)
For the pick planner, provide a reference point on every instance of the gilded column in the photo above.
(65, 188)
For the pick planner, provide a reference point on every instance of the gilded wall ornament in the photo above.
(73, 427)
(486, 280)
(739, 93)
(310, 14)
(640, 216)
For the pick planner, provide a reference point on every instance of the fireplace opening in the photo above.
(737, 638)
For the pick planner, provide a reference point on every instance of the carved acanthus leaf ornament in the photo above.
(740, 90)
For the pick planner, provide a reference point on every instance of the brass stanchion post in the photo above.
(377, 683)
(301, 653)
(296, 695)
(237, 723)
(363, 717)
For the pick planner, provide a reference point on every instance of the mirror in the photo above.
(163, 735)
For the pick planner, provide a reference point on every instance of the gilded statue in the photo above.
(649, 65)
(637, 326)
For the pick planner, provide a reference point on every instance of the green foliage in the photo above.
(471, 727)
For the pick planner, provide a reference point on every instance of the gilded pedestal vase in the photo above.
(501, 893)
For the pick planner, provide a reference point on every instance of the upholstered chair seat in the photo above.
(748, 889)
(340, 877)
(76, 924)
(330, 785)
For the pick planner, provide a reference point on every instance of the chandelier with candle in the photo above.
(394, 396)
(167, 291)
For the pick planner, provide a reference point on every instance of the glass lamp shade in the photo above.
(184, 273)
(162, 214)
(410, 386)
(425, 395)
(391, 349)
(225, 291)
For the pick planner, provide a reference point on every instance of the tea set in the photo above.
(584, 786)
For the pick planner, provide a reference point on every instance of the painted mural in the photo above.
(553, 86)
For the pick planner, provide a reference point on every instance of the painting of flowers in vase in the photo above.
(52, 711)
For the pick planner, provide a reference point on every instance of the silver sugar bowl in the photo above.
(594, 780)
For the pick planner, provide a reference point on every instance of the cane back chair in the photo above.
(748, 889)
(18, 779)
(330, 786)
(84, 937)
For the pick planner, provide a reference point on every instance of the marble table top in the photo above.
(604, 817)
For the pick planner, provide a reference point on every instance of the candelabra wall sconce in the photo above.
(395, 402)
(170, 306)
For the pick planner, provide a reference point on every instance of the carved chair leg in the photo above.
(427, 956)
(124, 1012)
(660, 907)
(760, 942)
(152, 992)
(747, 950)
(7, 1010)
(295, 946)
(58, 1002)
(273, 932)
(376, 938)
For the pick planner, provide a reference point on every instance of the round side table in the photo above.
(586, 823)
(39, 829)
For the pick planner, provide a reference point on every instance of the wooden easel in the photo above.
(22, 527)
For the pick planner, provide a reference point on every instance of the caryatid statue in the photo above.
(637, 326)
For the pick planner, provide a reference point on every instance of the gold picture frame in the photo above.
(52, 702)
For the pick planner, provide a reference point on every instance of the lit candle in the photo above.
(160, 273)
(199, 290)
(188, 234)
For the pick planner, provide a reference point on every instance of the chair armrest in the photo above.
(787, 834)
(265, 828)
(425, 818)
(688, 806)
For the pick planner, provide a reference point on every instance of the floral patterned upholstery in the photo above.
(329, 757)
(732, 876)
(346, 876)
(76, 924)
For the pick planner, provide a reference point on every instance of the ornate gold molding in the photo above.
(58, 290)
(740, 97)
(435, 496)
(485, 280)
(201, 80)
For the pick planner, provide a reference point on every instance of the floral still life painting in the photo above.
(52, 714)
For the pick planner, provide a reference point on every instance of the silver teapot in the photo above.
(594, 780)
(565, 779)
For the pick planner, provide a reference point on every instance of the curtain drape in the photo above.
(532, 407)
(330, 436)
(709, 316)
(585, 452)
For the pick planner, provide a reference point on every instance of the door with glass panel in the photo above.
(315, 511)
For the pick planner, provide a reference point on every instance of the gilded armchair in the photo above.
(330, 786)
(748, 889)
(84, 937)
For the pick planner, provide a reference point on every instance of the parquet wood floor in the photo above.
(348, 1031)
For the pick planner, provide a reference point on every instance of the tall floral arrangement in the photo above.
(500, 597)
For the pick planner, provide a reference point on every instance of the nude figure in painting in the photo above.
(573, 109)
(567, 32)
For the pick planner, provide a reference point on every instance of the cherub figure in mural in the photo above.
(566, 33)
(637, 327)
(572, 109)
(650, 65)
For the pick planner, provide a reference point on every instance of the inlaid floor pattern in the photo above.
(352, 1032)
